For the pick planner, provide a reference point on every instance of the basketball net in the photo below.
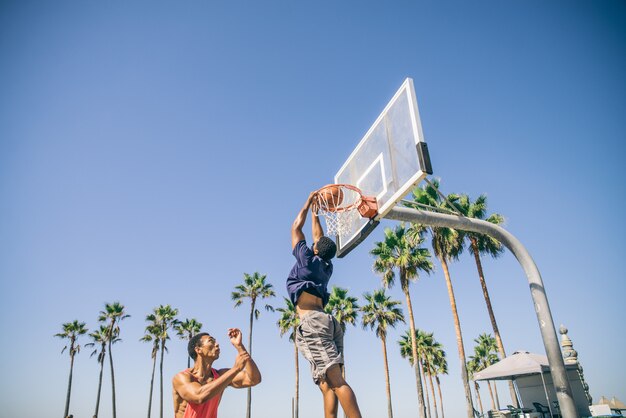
(341, 205)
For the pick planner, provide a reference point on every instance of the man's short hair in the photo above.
(326, 248)
(194, 342)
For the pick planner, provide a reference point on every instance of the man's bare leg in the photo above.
(343, 392)
(330, 400)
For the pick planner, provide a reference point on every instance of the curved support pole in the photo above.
(537, 291)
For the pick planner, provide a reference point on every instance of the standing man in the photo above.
(198, 391)
(319, 336)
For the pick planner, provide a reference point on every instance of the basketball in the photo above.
(331, 196)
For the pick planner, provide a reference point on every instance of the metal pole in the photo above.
(537, 291)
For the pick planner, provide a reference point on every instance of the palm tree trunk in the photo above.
(297, 380)
(69, 383)
(189, 358)
(480, 402)
(101, 361)
(387, 384)
(249, 400)
(418, 376)
(428, 411)
(161, 374)
(493, 404)
(495, 391)
(112, 380)
(459, 339)
(151, 386)
(440, 396)
(492, 316)
(432, 391)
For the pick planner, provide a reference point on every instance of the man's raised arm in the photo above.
(316, 227)
(250, 375)
(296, 228)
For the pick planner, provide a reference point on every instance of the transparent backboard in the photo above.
(387, 163)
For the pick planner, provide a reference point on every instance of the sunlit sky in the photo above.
(152, 152)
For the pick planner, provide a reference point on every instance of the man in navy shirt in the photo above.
(319, 336)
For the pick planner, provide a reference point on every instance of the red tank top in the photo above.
(203, 410)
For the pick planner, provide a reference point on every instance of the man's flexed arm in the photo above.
(250, 375)
(196, 393)
(296, 228)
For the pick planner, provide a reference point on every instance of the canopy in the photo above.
(614, 403)
(520, 363)
(528, 368)
(617, 404)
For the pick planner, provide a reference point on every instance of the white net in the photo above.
(339, 223)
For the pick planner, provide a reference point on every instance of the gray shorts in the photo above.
(319, 338)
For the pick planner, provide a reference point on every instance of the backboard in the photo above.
(387, 163)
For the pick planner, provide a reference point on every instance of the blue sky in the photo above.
(153, 152)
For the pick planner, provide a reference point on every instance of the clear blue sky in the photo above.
(152, 152)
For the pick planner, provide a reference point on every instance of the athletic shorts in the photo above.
(319, 338)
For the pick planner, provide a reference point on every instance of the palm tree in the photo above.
(152, 335)
(484, 356)
(253, 287)
(160, 321)
(379, 313)
(345, 310)
(100, 339)
(440, 367)
(288, 322)
(429, 367)
(71, 332)
(447, 245)
(403, 252)
(472, 368)
(343, 307)
(426, 346)
(113, 313)
(186, 330)
(485, 245)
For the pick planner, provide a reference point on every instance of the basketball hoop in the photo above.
(341, 205)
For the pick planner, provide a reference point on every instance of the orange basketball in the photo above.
(331, 196)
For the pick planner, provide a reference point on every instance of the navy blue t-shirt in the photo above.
(310, 273)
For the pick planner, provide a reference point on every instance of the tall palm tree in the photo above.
(160, 321)
(485, 356)
(426, 345)
(472, 368)
(186, 330)
(152, 335)
(112, 315)
(344, 308)
(99, 341)
(430, 369)
(403, 252)
(480, 244)
(447, 245)
(440, 367)
(379, 313)
(288, 322)
(253, 288)
(71, 331)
